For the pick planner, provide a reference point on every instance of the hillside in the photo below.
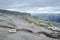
(27, 23)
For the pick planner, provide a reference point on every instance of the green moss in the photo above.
(39, 24)
(28, 20)
(57, 30)
(49, 28)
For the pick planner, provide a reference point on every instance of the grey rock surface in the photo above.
(17, 22)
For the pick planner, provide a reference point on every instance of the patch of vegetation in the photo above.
(48, 22)
(39, 24)
(53, 23)
(56, 24)
(58, 31)
(28, 20)
(49, 28)
(33, 22)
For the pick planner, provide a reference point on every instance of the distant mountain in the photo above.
(14, 12)
(51, 16)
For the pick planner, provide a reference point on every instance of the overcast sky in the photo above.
(31, 6)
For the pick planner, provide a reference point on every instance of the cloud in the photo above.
(31, 6)
(39, 10)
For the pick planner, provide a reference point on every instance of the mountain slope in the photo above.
(51, 16)
(26, 24)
